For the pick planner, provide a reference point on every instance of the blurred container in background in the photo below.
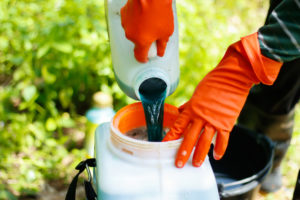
(101, 112)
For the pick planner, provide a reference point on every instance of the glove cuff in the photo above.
(265, 69)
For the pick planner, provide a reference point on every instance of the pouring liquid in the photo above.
(152, 94)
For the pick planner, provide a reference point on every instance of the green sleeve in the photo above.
(279, 38)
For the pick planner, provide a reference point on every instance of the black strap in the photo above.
(89, 190)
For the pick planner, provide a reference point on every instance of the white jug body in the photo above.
(129, 169)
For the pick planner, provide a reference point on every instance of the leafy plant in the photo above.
(53, 56)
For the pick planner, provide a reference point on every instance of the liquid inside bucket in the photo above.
(248, 159)
(141, 133)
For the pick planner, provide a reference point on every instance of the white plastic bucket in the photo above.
(140, 170)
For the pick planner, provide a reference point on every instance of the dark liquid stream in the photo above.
(153, 94)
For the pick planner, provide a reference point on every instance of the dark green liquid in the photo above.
(153, 94)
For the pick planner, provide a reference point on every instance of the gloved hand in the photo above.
(218, 100)
(147, 21)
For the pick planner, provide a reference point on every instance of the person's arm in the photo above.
(220, 96)
(218, 100)
(279, 38)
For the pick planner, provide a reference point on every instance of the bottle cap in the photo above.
(101, 99)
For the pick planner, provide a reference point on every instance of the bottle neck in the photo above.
(151, 73)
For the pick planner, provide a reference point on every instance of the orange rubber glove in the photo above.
(147, 21)
(218, 100)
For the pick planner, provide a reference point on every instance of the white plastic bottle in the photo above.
(130, 73)
(130, 169)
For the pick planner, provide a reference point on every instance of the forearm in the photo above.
(279, 38)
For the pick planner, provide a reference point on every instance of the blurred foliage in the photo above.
(55, 54)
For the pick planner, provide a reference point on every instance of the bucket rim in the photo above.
(251, 182)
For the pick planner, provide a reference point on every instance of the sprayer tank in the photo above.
(140, 170)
